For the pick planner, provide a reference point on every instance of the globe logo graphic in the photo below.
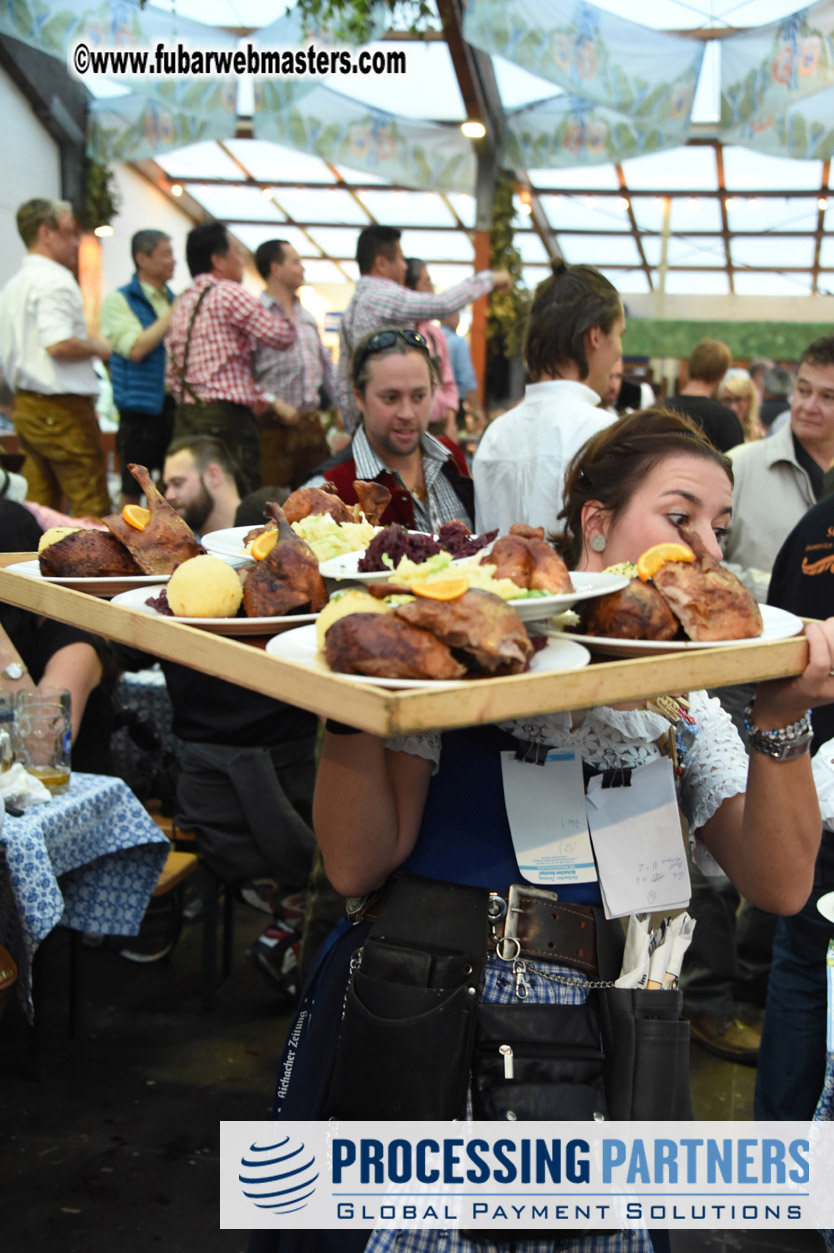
(279, 1176)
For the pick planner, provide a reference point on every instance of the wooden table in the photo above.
(386, 712)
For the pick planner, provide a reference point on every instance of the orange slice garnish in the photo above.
(653, 558)
(136, 516)
(264, 544)
(443, 589)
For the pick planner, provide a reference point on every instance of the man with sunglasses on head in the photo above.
(381, 299)
(392, 380)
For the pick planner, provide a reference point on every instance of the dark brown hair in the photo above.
(565, 307)
(613, 463)
(820, 352)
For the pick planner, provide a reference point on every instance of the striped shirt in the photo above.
(297, 373)
(441, 503)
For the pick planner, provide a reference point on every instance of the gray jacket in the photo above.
(771, 493)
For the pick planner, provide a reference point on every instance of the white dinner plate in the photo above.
(825, 905)
(528, 608)
(301, 647)
(97, 585)
(778, 625)
(228, 542)
(585, 586)
(138, 597)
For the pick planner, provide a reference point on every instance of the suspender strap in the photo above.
(181, 370)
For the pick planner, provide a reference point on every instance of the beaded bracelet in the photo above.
(782, 744)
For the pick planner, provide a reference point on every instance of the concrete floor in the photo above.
(114, 1148)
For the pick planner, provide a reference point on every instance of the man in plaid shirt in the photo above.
(381, 299)
(215, 327)
(293, 441)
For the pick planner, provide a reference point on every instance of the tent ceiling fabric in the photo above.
(656, 130)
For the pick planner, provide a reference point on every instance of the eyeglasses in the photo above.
(387, 339)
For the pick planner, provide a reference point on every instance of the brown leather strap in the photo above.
(555, 931)
(546, 928)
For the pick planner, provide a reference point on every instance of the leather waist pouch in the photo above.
(407, 1032)
(557, 1063)
(646, 1044)
(558, 1073)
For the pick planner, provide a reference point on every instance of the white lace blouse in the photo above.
(714, 768)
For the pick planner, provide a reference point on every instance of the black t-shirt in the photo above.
(812, 468)
(719, 424)
(802, 581)
(212, 711)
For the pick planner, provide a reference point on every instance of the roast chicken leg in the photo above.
(165, 542)
(287, 580)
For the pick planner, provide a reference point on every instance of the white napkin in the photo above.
(20, 788)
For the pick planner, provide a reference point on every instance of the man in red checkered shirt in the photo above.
(215, 327)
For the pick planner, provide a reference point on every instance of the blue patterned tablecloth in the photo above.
(89, 860)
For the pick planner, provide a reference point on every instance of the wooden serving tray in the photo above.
(395, 713)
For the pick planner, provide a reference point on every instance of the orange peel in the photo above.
(136, 516)
(263, 545)
(443, 589)
(658, 555)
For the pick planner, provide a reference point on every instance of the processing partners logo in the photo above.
(279, 1176)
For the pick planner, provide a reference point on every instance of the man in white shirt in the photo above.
(573, 342)
(46, 356)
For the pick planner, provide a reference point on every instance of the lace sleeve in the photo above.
(716, 769)
(425, 744)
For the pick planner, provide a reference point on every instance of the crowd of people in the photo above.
(234, 399)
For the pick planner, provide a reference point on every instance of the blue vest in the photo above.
(140, 385)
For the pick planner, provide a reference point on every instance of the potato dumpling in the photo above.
(55, 533)
(204, 587)
(355, 601)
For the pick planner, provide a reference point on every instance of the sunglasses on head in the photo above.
(387, 339)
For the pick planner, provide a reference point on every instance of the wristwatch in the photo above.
(14, 670)
(783, 744)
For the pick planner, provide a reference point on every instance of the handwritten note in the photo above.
(637, 842)
(546, 811)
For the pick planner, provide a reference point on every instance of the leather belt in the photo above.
(532, 922)
(529, 922)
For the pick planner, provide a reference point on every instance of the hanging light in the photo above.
(266, 192)
(526, 198)
(473, 129)
(103, 231)
(176, 190)
(822, 203)
(624, 202)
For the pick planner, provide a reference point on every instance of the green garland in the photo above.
(508, 310)
(101, 200)
(352, 20)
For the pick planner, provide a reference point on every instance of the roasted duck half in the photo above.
(711, 603)
(374, 499)
(383, 646)
(638, 612)
(165, 541)
(525, 557)
(480, 626)
(85, 555)
(287, 580)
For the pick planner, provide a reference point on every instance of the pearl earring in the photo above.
(598, 543)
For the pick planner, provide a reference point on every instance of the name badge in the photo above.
(637, 840)
(545, 805)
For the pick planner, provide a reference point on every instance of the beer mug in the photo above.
(7, 729)
(44, 735)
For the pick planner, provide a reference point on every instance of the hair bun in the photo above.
(559, 267)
